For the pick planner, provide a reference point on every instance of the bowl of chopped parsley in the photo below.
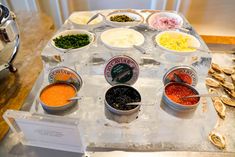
(72, 40)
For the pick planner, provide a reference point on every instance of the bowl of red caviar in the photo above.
(174, 96)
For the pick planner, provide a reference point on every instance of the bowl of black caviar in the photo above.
(116, 103)
(70, 40)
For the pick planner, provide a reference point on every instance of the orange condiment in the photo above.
(57, 94)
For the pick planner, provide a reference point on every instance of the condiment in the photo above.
(183, 77)
(83, 19)
(176, 92)
(122, 38)
(176, 41)
(57, 95)
(121, 18)
(65, 74)
(72, 41)
(181, 74)
(164, 23)
(119, 96)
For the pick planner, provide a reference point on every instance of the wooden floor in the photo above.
(14, 87)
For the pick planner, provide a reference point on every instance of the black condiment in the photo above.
(119, 96)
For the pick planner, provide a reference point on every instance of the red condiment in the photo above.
(183, 76)
(176, 91)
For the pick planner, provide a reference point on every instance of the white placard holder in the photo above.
(46, 131)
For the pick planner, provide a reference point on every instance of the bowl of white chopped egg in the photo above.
(80, 19)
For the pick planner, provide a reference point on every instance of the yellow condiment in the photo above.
(176, 42)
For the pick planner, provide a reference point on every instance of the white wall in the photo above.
(209, 17)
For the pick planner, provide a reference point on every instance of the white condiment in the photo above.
(122, 38)
(82, 18)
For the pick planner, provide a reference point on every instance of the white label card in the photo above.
(51, 135)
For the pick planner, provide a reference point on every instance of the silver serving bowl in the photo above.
(177, 106)
(51, 109)
(121, 116)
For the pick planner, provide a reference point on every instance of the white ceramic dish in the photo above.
(152, 16)
(73, 32)
(130, 13)
(79, 19)
(121, 38)
(192, 42)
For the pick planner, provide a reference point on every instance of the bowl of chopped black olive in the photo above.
(71, 40)
(124, 18)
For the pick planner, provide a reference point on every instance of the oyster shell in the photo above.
(211, 71)
(228, 101)
(233, 78)
(231, 93)
(218, 77)
(212, 82)
(214, 91)
(227, 85)
(228, 71)
(216, 67)
(217, 139)
(220, 108)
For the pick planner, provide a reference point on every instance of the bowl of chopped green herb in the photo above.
(124, 18)
(71, 40)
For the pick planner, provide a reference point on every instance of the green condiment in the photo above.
(121, 18)
(72, 41)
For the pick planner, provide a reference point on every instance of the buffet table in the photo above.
(12, 146)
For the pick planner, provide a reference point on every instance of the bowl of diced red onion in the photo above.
(164, 21)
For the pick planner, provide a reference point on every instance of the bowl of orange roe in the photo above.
(174, 93)
(55, 97)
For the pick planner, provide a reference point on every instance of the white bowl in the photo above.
(192, 42)
(117, 38)
(79, 19)
(164, 14)
(73, 32)
(130, 13)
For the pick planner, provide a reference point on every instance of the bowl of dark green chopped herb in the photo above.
(124, 18)
(70, 40)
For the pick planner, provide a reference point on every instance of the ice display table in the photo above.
(155, 129)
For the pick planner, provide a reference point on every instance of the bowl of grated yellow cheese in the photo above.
(177, 42)
(80, 19)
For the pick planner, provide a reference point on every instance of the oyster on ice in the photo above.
(228, 101)
(220, 108)
(214, 91)
(231, 93)
(212, 82)
(219, 77)
(228, 85)
(216, 67)
(217, 139)
(233, 78)
(228, 71)
(211, 71)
